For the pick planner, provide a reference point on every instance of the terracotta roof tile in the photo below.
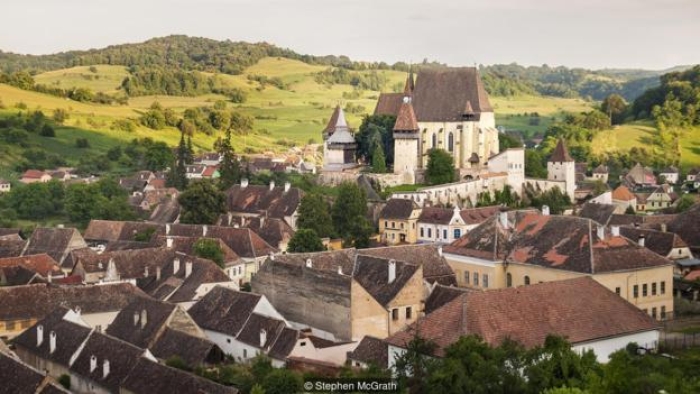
(398, 208)
(42, 264)
(622, 193)
(406, 118)
(601, 213)
(224, 310)
(371, 350)
(150, 377)
(528, 314)
(389, 104)
(560, 153)
(442, 95)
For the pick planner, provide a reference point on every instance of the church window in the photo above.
(395, 314)
(509, 280)
(434, 142)
(421, 232)
(527, 280)
(451, 142)
(458, 233)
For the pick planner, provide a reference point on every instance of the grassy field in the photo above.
(105, 78)
(514, 113)
(640, 134)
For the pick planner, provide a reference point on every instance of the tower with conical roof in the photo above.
(562, 167)
(406, 139)
(339, 146)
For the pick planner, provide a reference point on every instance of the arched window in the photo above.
(527, 280)
(509, 280)
(451, 142)
(434, 145)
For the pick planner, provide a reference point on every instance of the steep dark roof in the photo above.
(436, 215)
(18, 377)
(250, 333)
(398, 208)
(478, 215)
(284, 344)
(36, 301)
(255, 199)
(601, 169)
(435, 267)
(130, 264)
(11, 248)
(129, 324)
(371, 350)
(224, 310)
(176, 286)
(661, 243)
(389, 104)
(53, 241)
(103, 230)
(601, 213)
(186, 246)
(69, 336)
(192, 350)
(442, 95)
(10, 234)
(372, 273)
(122, 357)
(150, 377)
(560, 153)
(441, 295)
(528, 314)
(687, 226)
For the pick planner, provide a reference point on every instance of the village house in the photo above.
(5, 186)
(242, 324)
(521, 248)
(670, 175)
(22, 306)
(623, 198)
(370, 351)
(366, 295)
(276, 232)
(18, 377)
(397, 221)
(166, 330)
(208, 159)
(56, 242)
(444, 225)
(693, 175)
(639, 177)
(601, 173)
(63, 344)
(233, 264)
(663, 243)
(604, 323)
(28, 269)
(687, 226)
(661, 198)
(249, 201)
(35, 176)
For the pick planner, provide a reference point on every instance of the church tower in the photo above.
(561, 167)
(339, 144)
(406, 140)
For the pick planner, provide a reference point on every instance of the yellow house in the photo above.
(522, 248)
(398, 221)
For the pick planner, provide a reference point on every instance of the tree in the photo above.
(305, 241)
(201, 203)
(555, 365)
(314, 214)
(378, 160)
(554, 198)
(441, 167)
(282, 381)
(349, 215)
(686, 201)
(506, 140)
(615, 107)
(208, 248)
(670, 122)
(412, 367)
(375, 130)
(177, 177)
(230, 169)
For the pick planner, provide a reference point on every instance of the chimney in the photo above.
(145, 272)
(663, 227)
(272, 185)
(615, 231)
(601, 232)
(545, 210)
(93, 363)
(52, 342)
(188, 269)
(39, 335)
(176, 265)
(439, 250)
(169, 242)
(167, 229)
(157, 273)
(78, 310)
(244, 183)
(641, 240)
(309, 263)
(392, 271)
(105, 369)
(49, 277)
(136, 318)
(287, 186)
(503, 219)
(230, 217)
(60, 226)
(340, 270)
(263, 337)
(272, 256)
(205, 229)
(144, 318)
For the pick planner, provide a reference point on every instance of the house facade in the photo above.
(397, 221)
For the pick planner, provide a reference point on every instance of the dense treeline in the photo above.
(684, 86)
(173, 82)
(25, 81)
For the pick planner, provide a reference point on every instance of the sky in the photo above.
(649, 34)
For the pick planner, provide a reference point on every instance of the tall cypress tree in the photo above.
(230, 169)
(177, 177)
(190, 151)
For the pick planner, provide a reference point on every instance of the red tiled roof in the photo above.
(33, 174)
(209, 171)
(39, 263)
(406, 118)
(528, 314)
(622, 193)
(560, 153)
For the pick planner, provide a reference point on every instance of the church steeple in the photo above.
(337, 122)
(406, 120)
(410, 84)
